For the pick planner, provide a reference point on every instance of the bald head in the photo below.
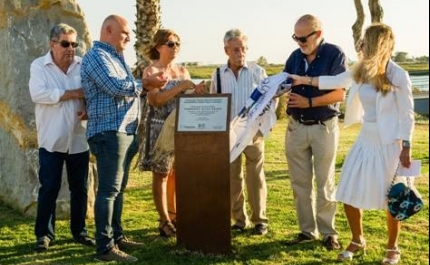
(115, 31)
(308, 35)
(309, 21)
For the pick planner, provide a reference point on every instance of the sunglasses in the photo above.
(303, 39)
(66, 44)
(172, 44)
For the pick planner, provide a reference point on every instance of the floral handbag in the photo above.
(403, 201)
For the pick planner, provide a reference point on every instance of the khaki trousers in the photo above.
(311, 156)
(255, 182)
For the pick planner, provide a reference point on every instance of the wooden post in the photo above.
(203, 173)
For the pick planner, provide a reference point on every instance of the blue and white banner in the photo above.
(259, 113)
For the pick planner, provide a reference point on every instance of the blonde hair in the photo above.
(376, 50)
(160, 38)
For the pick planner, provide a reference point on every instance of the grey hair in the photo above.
(59, 29)
(234, 34)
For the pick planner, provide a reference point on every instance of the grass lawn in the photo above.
(140, 223)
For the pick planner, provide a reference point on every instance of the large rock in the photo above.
(24, 35)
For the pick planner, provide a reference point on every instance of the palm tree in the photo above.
(147, 23)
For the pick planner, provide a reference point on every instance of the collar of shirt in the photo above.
(49, 60)
(320, 50)
(108, 47)
(227, 66)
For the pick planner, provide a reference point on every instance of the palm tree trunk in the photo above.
(148, 21)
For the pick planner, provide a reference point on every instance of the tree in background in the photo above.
(400, 57)
(262, 61)
(147, 22)
(376, 15)
(423, 59)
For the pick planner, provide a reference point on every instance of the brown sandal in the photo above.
(167, 229)
(173, 222)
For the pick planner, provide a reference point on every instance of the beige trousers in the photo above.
(255, 182)
(311, 157)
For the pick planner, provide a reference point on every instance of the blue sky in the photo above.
(269, 24)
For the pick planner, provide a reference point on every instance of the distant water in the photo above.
(420, 81)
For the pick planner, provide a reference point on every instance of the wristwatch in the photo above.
(406, 144)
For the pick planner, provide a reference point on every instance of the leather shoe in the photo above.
(84, 239)
(301, 238)
(237, 228)
(260, 229)
(331, 243)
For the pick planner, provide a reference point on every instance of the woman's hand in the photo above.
(200, 88)
(187, 84)
(405, 157)
(299, 80)
(153, 81)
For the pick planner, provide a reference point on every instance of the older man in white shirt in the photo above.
(55, 87)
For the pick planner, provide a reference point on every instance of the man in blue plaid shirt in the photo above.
(113, 108)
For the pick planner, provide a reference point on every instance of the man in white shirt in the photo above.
(55, 87)
(240, 79)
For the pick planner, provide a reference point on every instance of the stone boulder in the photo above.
(24, 35)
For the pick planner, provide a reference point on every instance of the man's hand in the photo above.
(82, 115)
(154, 81)
(297, 101)
(77, 93)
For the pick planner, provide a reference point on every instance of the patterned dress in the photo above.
(154, 120)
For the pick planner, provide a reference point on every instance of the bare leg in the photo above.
(393, 236)
(355, 221)
(171, 195)
(159, 191)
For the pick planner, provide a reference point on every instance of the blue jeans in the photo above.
(114, 152)
(50, 175)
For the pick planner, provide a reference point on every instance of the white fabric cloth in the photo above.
(260, 115)
(368, 170)
(57, 123)
(395, 110)
(368, 95)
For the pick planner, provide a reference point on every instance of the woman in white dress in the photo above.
(381, 99)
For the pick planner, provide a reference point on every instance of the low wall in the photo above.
(421, 101)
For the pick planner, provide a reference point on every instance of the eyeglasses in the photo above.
(303, 39)
(172, 44)
(66, 44)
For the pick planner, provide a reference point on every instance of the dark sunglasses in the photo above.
(172, 44)
(66, 44)
(303, 39)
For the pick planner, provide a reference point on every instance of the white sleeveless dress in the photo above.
(370, 165)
